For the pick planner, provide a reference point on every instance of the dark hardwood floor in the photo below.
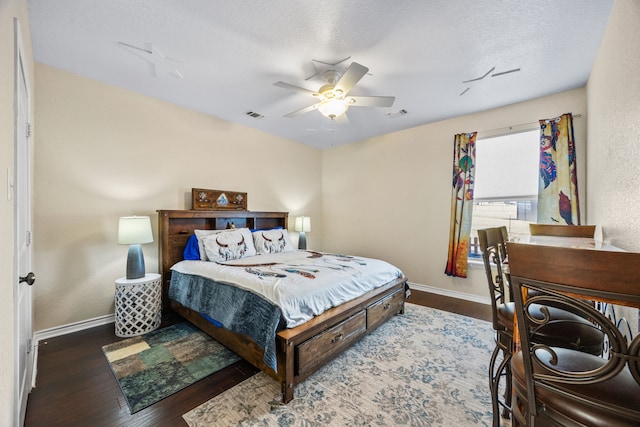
(75, 386)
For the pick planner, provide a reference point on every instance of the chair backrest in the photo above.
(494, 252)
(562, 230)
(561, 274)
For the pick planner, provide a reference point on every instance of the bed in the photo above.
(297, 351)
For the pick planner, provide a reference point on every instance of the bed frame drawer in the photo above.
(319, 349)
(380, 311)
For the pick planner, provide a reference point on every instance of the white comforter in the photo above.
(302, 283)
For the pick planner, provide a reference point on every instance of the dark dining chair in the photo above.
(561, 386)
(574, 331)
(494, 252)
(559, 230)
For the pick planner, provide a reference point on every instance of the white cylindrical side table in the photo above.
(138, 305)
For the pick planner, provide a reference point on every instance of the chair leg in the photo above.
(506, 411)
(503, 346)
(494, 378)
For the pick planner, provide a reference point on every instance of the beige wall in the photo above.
(389, 197)
(614, 129)
(105, 152)
(8, 10)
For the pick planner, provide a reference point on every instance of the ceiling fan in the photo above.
(333, 99)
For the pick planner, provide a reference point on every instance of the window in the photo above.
(506, 184)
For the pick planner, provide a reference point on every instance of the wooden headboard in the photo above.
(176, 226)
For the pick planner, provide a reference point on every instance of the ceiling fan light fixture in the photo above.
(333, 97)
(333, 108)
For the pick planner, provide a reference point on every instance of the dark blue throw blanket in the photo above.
(236, 309)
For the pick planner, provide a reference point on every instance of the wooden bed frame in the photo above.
(300, 351)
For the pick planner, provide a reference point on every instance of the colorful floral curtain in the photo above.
(558, 183)
(464, 165)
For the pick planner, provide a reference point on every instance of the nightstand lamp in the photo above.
(303, 225)
(135, 231)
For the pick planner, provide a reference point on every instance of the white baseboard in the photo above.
(72, 327)
(449, 293)
(34, 368)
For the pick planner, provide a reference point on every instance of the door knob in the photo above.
(29, 279)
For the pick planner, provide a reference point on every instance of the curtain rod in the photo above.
(520, 127)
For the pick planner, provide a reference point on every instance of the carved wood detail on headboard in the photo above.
(176, 226)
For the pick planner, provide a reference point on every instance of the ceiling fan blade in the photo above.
(329, 64)
(370, 101)
(295, 88)
(350, 77)
(302, 110)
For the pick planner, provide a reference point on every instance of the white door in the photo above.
(23, 248)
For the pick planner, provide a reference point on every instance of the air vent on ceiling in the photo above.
(397, 114)
(254, 115)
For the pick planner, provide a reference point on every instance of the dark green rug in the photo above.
(156, 365)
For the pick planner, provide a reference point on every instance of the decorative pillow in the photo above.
(272, 241)
(191, 251)
(228, 245)
(200, 235)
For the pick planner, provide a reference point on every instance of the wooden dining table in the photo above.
(569, 242)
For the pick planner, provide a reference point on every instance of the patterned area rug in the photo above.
(156, 365)
(424, 368)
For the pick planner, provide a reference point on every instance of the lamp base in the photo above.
(135, 262)
(302, 240)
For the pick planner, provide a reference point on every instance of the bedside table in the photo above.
(138, 305)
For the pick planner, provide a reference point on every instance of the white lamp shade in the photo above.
(134, 230)
(303, 223)
(333, 108)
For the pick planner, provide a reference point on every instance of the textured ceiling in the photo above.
(222, 57)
